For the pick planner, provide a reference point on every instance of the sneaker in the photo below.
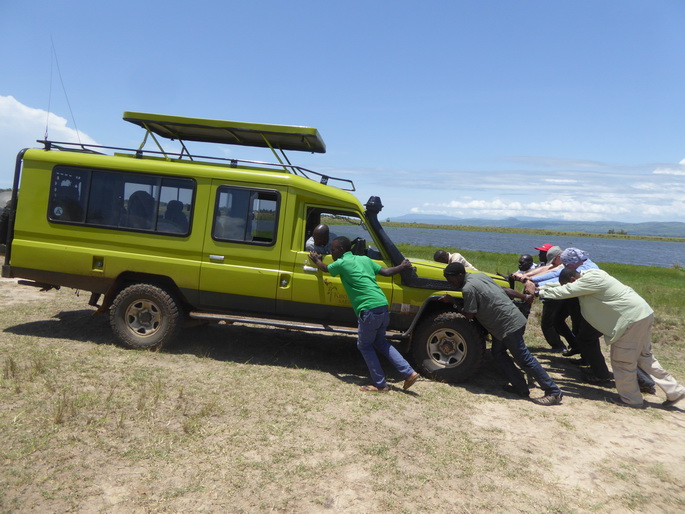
(571, 352)
(670, 403)
(550, 399)
(618, 401)
(557, 349)
(595, 380)
(647, 389)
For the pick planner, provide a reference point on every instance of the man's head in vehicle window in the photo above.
(320, 235)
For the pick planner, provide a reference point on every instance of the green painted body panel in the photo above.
(274, 279)
(247, 271)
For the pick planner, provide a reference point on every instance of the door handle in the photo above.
(310, 269)
(216, 258)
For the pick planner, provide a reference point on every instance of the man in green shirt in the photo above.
(358, 276)
(625, 319)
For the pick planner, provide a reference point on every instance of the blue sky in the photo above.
(493, 109)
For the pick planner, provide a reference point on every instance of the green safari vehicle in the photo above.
(162, 238)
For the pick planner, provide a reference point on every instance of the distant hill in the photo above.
(652, 228)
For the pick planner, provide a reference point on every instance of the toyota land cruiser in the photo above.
(159, 238)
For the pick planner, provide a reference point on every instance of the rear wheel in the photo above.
(144, 316)
(447, 348)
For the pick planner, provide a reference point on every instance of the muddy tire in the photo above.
(447, 348)
(144, 316)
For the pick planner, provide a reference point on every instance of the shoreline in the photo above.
(532, 231)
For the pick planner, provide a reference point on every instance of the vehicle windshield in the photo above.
(351, 226)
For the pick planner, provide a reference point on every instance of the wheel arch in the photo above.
(128, 278)
(432, 306)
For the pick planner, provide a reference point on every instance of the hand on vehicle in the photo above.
(405, 264)
(520, 277)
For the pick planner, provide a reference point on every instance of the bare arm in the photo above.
(389, 272)
(513, 294)
(523, 277)
(529, 287)
(451, 299)
(316, 259)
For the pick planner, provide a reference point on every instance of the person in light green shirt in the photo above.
(626, 320)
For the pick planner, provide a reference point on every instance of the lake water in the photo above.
(623, 251)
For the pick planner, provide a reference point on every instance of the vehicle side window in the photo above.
(129, 201)
(342, 223)
(245, 215)
(68, 195)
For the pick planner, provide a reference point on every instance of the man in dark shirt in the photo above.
(491, 306)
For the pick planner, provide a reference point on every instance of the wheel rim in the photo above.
(143, 318)
(447, 347)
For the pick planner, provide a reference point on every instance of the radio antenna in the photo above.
(55, 60)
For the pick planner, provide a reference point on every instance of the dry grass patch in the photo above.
(235, 418)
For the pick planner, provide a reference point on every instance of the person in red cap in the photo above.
(542, 256)
(547, 256)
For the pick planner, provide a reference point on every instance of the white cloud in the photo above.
(560, 181)
(566, 208)
(670, 171)
(556, 162)
(617, 193)
(21, 126)
(676, 169)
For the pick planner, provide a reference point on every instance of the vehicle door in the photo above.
(317, 296)
(240, 262)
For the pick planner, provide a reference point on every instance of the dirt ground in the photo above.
(268, 429)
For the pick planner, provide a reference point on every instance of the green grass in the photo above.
(534, 231)
(242, 419)
(662, 288)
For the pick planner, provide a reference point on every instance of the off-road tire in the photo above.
(144, 316)
(447, 348)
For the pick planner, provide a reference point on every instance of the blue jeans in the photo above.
(371, 339)
(519, 351)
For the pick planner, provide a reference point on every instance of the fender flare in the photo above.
(427, 303)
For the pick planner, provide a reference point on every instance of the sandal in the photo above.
(374, 389)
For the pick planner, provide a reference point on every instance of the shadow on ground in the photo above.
(267, 346)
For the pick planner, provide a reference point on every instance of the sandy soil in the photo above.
(592, 456)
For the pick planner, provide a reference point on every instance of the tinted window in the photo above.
(121, 200)
(68, 194)
(245, 215)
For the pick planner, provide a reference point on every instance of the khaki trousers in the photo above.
(633, 349)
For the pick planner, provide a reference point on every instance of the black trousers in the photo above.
(587, 341)
(553, 323)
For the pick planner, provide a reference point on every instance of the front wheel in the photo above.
(144, 316)
(447, 348)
